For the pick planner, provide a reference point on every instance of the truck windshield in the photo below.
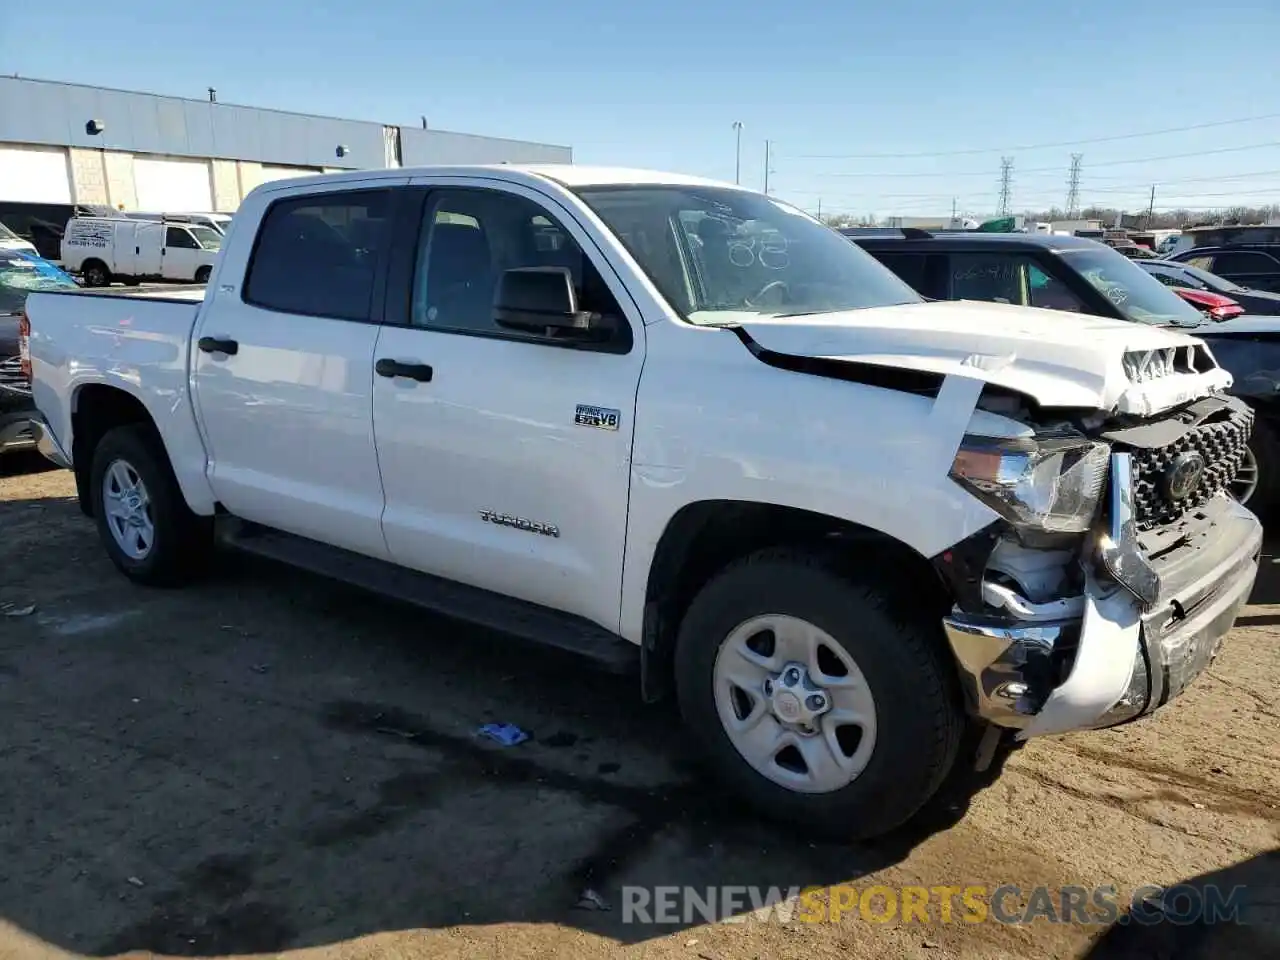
(723, 256)
(19, 275)
(207, 237)
(1138, 296)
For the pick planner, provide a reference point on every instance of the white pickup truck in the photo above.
(672, 423)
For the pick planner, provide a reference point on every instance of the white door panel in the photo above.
(495, 430)
(287, 422)
(493, 436)
(288, 418)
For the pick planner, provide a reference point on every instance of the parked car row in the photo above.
(673, 425)
(1081, 276)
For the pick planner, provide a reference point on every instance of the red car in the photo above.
(1213, 305)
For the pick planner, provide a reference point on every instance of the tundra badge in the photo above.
(519, 523)
(603, 417)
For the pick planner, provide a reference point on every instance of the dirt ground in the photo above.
(269, 763)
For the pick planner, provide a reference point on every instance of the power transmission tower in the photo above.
(1073, 185)
(1006, 184)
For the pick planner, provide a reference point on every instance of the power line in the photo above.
(1058, 170)
(1073, 185)
(1006, 183)
(1036, 146)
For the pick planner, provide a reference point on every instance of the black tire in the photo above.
(918, 704)
(95, 274)
(203, 274)
(1265, 449)
(182, 540)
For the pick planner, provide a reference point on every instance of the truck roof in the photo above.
(566, 174)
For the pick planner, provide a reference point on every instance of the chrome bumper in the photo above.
(47, 443)
(1150, 627)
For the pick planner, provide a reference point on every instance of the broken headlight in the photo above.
(1052, 484)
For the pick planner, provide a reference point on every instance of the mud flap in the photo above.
(1108, 649)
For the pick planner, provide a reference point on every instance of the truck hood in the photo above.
(1057, 359)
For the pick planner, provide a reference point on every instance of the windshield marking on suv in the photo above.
(721, 255)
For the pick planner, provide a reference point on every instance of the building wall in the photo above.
(193, 155)
(420, 147)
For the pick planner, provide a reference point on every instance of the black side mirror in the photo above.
(541, 299)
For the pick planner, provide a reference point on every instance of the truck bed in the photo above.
(138, 340)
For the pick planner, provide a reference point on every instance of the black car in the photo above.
(1248, 256)
(1174, 274)
(1083, 276)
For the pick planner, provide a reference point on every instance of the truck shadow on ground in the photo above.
(270, 761)
(1266, 589)
(1230, 913)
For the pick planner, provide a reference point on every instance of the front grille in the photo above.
(1222, 446)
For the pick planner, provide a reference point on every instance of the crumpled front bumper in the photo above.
(1156, 609)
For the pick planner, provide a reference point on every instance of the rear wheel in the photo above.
(820, 698)
(144, 522)
(95, 274)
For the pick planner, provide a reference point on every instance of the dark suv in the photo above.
(1251, 263)
(1084, 276)
(1027, 269)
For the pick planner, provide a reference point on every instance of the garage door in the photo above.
(173, 186)
(34, 175)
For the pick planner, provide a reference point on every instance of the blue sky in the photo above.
(660, 84)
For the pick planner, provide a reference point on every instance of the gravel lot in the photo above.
(271, 763)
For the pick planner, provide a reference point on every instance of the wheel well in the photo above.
(99, 408)
(703, 538)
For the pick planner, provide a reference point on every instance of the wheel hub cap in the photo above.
(127, 506)
(794, 704)
(795, 699)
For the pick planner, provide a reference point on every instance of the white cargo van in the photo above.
(218, 221)
(103, 249)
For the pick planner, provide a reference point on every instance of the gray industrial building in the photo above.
(63, 143)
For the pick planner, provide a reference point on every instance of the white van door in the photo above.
(181, 254)
(148, 241)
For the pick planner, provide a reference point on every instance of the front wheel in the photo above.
(149, 532)
(202, 274)
(1257, 481)
(819, 697)
(96, 274)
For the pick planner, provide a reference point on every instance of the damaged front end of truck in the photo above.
(1118, 562)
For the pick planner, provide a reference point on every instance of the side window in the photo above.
(1244, 262)
(1049, 292)
(910, 268)
(1201, 263)
(469, 238)
(177, 237)
(994, 277)
(319, 254)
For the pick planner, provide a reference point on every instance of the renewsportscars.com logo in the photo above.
(1101, 905)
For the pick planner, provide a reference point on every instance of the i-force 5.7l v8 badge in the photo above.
(605, 418)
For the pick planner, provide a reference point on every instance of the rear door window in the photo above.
(319, 254)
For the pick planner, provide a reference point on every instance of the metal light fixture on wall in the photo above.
(94, 127)
(342, 150)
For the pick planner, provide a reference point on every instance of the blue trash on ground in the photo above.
(507, 734)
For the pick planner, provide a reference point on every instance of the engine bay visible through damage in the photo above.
(1006, 575)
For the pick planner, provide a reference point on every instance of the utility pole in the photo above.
(1006, 184)
(1151, 207)
(953, 211)
(768, 162)
(213, 95)
(1073, 185)
(819, 208)
(737, 154)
